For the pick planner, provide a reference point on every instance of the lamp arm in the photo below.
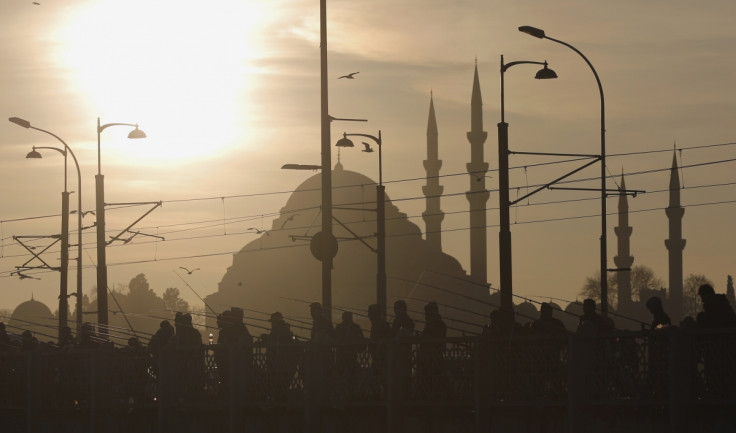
(374, 138)
(597, 79)
(103, 127)
(61, 151)
(505, 67)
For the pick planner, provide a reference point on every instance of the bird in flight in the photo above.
(187, 270)
(259, 231)
(291, 218)
(350, 76)
(36, 3)
(368, 147)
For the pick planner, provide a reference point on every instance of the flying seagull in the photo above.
(188, 271)
(259, 231)
(350, 75)
(368, 147)
(291, 218)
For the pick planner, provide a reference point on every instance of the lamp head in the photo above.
(533, 31)
(20, 122)
(34, 154)
(344, 141)
(137, 133)
(545, 73)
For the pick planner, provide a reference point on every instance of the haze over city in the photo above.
(227, 94)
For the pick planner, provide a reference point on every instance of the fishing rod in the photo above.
(465, 297)
(195, 292)
(94, 338)
(423, 322)
(124, 316)
(639, 322)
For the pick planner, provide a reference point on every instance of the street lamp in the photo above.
(504, 234)
(63, 296)
(539, 33)
(100, 212)
(380, 218)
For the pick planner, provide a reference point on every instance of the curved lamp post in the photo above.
(539, 33)
(504, 234)
(63, 296)
(381, 297)
(100, 212)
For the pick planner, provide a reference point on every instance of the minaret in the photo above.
(623, 259)
(675, 244)
(478, 194)
(433, 215)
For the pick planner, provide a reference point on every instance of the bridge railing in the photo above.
(674, 368)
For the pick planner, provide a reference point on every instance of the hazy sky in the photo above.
(229, 92)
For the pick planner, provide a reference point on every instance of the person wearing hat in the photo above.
(280, 330)
(322, 330)
(280, 357)
(430, 355)
(403, 325)
(717, 311)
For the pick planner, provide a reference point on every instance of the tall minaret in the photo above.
(675, 244)
(623, 259)
(433, 215)
(478, 194)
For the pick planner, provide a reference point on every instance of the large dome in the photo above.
(34, 316)
(277, 272)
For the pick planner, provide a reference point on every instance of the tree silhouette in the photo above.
(173, 301)
(642, 277)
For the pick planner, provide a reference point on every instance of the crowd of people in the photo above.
(346, 350)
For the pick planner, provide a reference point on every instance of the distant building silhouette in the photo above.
(278, 272)
(478, 194)
(675, 244)
(36, 317)
(433, 214)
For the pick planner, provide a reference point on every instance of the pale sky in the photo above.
(229, 92)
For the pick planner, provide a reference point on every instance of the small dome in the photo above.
(34, 316)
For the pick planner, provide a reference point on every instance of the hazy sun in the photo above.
(179, 68)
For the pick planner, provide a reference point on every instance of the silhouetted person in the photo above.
(161, 337)
(88, 337)
(430, 354)
(281, 359)
(235, 342)
(6, 344)
(319, 361)
(658, 346)
(547, 371)
(349, 342)
(718, 349)
(350, 339)
(29, 343)
(322, 330)
(188, 369)
(717, 311)
(66, 339)
(502, 324)
(660, 319)
(378, 337)
(591, 322)
(546, 324)
(403, 325)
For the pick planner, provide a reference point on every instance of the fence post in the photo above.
(573, 382)
(92, 390)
